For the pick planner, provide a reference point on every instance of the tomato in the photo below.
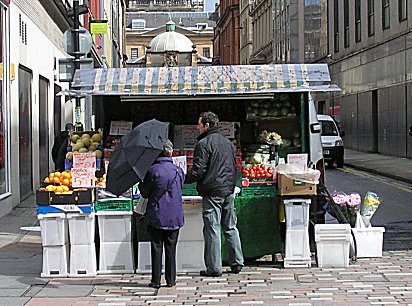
(258, 175)
(268, 175)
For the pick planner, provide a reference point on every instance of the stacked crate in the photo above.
(297, 250)
(82, 245)
(116, 247)
(55, 242)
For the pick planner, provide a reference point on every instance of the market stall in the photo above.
(258, 105)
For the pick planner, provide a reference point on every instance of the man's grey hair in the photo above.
(167, 148)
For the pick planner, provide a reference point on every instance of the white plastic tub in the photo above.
(115, 226)
(55, 261)
(332, 245)
(83, 260)
(369, 241)
(81, 228)
(116, 257)
(54, 229)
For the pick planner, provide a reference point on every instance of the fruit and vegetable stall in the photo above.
(265, 115)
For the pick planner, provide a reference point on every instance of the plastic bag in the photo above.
(370, 205)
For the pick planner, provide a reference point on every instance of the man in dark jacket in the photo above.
(162, 186)
(59, 147)
(214, 170)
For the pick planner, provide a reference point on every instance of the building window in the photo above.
(346, 23)
(403, 9)
(3, 102)
(134, 53)
(385, 14)
(336, 25)
(206, 52)
(371, 17)
(358, 28)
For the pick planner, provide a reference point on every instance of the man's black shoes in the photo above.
(210, 274)
(154, 285)
(236, 269)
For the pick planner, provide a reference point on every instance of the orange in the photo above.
(47, 180)
(66, 175)
(51, 175)
(57, 174)
(56, 180)
(66, 188)
(59, 189)
(66, 182)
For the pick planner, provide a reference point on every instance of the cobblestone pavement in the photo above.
(378, 281)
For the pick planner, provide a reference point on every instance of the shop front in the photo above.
(265, 110)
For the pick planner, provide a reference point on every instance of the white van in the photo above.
(332, 143)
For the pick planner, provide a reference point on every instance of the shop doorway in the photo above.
(57, 113)
(43, 127)
(25, 134)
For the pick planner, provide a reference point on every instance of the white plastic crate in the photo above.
(55, 261)
(144, 260)
(54, 229)
(369, 241)
(193, 229)
(83, 260)
(81, 228)
(189, 256)
(332, 245)
(297, 249)
(116, 257)
(297, 213)
(115, 226)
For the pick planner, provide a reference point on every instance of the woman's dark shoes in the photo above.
(154, 285)
(171, 285)
(210, 274)
(236, 269)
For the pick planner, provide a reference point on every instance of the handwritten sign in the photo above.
(83, 177)
(120, 127)
(227, 129)
(84, 160)
(181, 162)
(299, 161)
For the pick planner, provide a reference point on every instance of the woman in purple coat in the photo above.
(162, 187)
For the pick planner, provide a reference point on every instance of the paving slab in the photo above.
(13, 301)
(65, 291)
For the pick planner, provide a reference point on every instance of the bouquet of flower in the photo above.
(349, 205)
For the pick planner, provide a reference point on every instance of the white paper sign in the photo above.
(181, 162)
(83, 177)
(299, 161)
(84, 160)
(227, 129)
(120, 127)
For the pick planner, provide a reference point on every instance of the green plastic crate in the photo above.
(261, 191)
(114, 205)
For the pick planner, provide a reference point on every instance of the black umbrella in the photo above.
(131, 160)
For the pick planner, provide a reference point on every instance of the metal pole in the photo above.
(76, 31)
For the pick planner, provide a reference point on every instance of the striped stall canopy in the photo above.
(203, 80)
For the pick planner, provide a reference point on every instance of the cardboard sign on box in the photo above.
(288, 186)
(180, 161)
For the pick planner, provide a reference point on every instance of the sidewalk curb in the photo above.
(389, 175)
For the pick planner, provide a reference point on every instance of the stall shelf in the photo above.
(258, 225)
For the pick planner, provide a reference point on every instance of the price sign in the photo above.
(181, 162)
(120, 127)
(299, 161)
(67, 208)
(83, 177)
(84, 160)
(227, 129)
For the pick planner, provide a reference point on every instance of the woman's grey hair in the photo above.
(167, 148)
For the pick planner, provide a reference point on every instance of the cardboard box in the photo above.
(288, 186)
(85, 196)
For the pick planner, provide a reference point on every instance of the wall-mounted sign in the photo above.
(98, 26)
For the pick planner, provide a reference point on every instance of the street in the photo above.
(393, 213)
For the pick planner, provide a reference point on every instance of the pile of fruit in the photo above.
(85, 143)
(101, 182)
(59, 182)
(258, 172)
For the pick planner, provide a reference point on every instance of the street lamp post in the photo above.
(77, 55)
